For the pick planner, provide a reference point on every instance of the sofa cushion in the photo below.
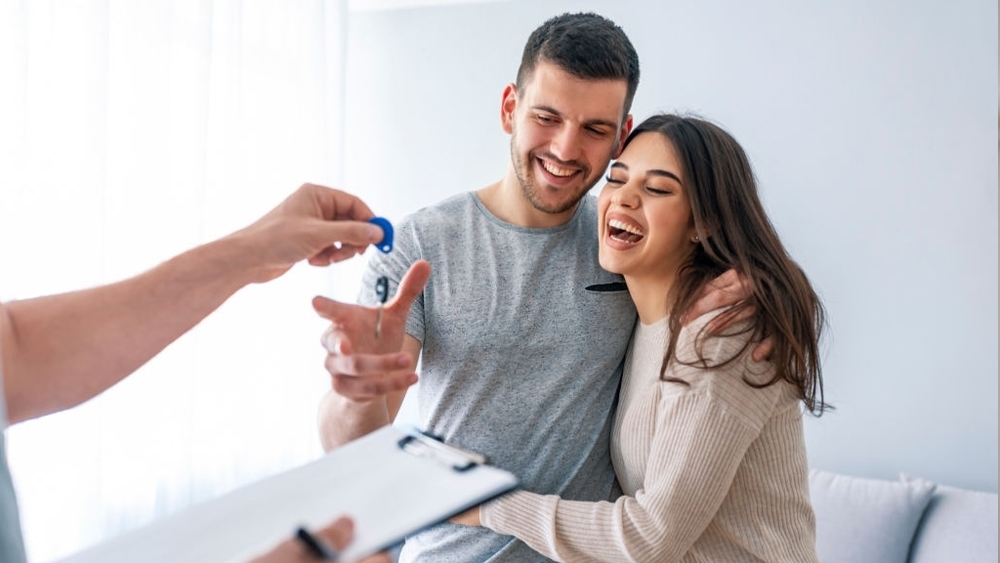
(959, 525)
(861, 520)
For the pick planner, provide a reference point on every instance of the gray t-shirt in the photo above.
(11, 543)
(523, 338)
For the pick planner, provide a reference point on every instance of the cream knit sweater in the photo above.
(714, 471)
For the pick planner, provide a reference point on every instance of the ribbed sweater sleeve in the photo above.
(701, 433)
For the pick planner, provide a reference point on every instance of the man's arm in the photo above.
(725, 291)
(346, 411)
(61, 350)
(364, 396)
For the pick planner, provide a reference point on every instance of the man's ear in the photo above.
(622, 135)
(507, 106)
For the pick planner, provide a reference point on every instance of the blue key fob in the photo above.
(385, 245)
(382, 289)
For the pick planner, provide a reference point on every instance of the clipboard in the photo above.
(393, 482)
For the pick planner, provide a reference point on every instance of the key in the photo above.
(382, 292)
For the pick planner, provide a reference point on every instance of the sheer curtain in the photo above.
(130, 131)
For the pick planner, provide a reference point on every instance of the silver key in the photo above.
(382, 292)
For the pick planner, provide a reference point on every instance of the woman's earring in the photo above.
(695, 239)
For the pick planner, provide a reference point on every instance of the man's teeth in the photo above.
(557, 170)
(620, 225)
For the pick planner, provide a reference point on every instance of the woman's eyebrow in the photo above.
(666, 174)
(653, 172)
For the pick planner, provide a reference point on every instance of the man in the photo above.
(61, 350)
(520, 332)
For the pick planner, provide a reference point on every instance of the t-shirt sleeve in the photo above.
(702, 432)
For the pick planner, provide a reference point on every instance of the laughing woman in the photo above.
(707, 443)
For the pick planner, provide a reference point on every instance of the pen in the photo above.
(314, 545)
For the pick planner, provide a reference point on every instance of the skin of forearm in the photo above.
(342, 420)
(61, 350)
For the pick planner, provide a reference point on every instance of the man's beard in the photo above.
(522, 169)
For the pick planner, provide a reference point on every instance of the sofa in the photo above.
(910, 520)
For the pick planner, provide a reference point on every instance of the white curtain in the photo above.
(130, 131)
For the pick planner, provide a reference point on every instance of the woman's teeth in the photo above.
(619, 230)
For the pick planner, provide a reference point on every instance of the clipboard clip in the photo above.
(421, 444)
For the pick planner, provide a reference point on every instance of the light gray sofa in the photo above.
(912, 520)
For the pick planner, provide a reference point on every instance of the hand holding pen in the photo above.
(318, 545)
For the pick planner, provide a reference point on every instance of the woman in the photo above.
(707, 443)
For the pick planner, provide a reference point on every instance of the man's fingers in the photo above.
(344, 362)
(762, 351)
(412, 284)
(726, 280)
(367, 388)
(334, 342)
(328, 308)
(338, 533)
(353, 233)
(336, 204)
(333, 254)
(718, 324)
(708, 302)
(725, 290)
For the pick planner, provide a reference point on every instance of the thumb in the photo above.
(355, 233)
(412, 284)
(339, 533)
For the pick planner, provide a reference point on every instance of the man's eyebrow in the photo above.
(653, 172)
(592, 122)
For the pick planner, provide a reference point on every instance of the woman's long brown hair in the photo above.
(735, 233)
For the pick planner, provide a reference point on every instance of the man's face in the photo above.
(564, 131)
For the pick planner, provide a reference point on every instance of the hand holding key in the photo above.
(363, 363)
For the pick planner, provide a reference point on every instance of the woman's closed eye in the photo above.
(659, 191)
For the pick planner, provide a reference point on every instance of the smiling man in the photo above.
(521, 357)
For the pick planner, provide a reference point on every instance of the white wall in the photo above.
(872, 129)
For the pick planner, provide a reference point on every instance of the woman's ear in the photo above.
(508, 104)
(693, 235)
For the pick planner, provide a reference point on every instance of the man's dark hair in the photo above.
(586, 45)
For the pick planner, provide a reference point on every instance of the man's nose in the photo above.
(566, 144)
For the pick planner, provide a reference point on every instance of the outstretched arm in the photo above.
(61, 350)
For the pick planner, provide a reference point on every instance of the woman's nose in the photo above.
(626, 196)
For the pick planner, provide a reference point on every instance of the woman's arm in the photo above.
(700, 437)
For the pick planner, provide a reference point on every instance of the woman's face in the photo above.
(644, 216)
